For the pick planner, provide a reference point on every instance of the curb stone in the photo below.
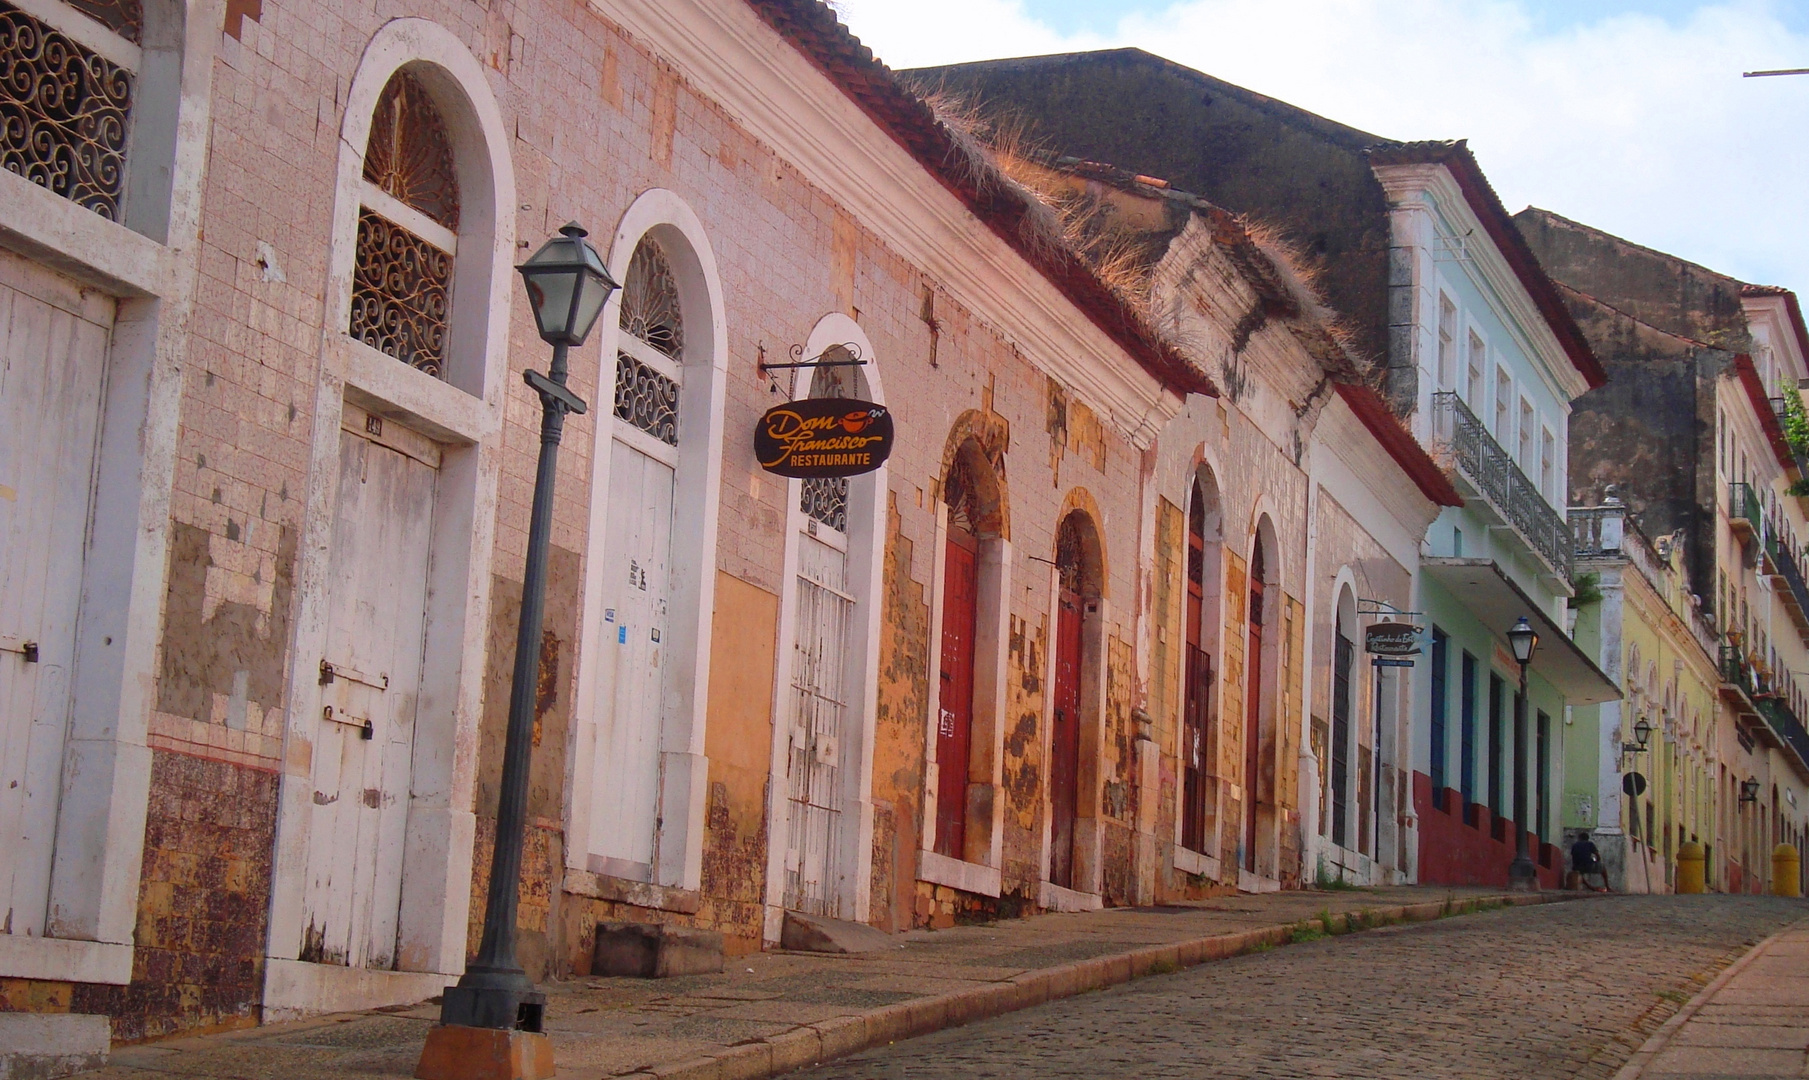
(1661, 1038)
(842, 1036)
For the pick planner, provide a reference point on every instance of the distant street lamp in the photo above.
(1642, 733)
(1523, 876)
(567, 286)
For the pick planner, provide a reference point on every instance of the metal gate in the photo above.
(818, 719)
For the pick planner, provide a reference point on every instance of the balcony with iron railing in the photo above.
(1786, 571)
(1786, 731)
(1491, 482)
(1745, 516)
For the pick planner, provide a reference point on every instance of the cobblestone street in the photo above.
(1558, 990)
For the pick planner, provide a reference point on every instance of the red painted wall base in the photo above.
(1475, 848)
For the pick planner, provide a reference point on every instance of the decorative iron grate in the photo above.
(63, 113)
(399, 289)
(646, 399)
(1492, 470)
(409, 154)
(650, 306)
(826, 499)
(123, 17)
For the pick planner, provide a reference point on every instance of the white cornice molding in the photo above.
(1435, 184)
(777, 95)
(1771, 311)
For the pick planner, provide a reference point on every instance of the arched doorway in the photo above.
(822, 836)
(1253, 661)
(1344, 690)
(1079, 569)
(974, 499)
(1198, 718)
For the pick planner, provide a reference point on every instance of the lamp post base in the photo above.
(476, 1053)
(1523, 876)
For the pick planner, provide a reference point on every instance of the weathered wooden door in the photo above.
(1344, 653)
(954, 727)
(1196, 810)
(1064, 742)
(636, 593)
(820, 696)
(1253, 668)
(53, 361)
(370, 680)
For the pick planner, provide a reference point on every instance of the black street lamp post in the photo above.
(1522, 875)
(567, 285)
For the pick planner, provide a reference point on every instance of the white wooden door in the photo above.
(370, 677)
(819, 714)
(637, 552)
(53, 352)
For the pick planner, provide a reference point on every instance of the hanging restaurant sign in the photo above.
(823, 437)
(1392, 639)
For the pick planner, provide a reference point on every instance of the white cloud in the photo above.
(1631, 123)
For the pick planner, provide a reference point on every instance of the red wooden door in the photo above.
(1064, 751)
(954, 724)
(1253, 666)
(1195, 719)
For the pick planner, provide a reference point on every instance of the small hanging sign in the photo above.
(1392, 639)
(823, 437)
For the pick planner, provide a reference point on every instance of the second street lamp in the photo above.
(1523, 876)
(567, 286)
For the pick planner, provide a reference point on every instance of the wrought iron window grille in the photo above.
(825, 499)
(65, 109)
(1474, 452)
(646, 399)
(650, 302)
(400, 285)
(409, 154)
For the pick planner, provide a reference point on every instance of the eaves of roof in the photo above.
(1790, 305)
(1761, 405)
(1400, 444)
(813, 29)
(1456, 157)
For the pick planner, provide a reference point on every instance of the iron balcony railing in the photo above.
(1785, 725)
(1743, 509)
(1788, 569)
(1736, 672)
(1492, 470)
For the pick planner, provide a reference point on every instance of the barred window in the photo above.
(825, 498)
(650, 308)
(407, 230)
(399, 286)
(123, 17)
(646, 399)
(64, 108)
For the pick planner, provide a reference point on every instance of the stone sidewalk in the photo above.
(773, 1012)
(1752, 1021)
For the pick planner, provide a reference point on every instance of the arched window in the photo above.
(652, 346)
(407, 230)
(66, 92)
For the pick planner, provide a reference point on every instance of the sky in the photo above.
(1628, 115)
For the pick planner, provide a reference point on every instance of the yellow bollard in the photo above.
(1691, 868)
(1784, 869)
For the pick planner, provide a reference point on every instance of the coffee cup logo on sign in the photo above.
(823, 437)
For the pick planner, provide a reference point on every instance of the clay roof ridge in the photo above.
(812, 28)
